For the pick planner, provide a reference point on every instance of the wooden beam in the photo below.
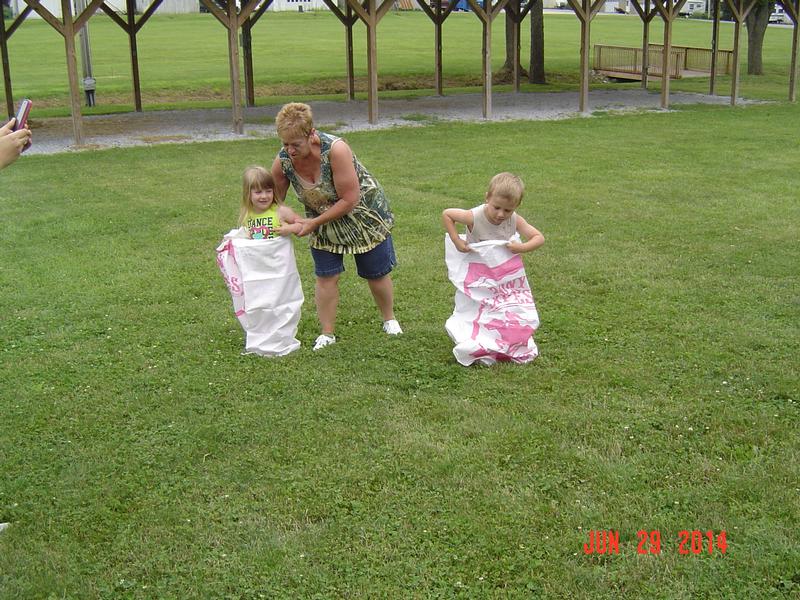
(6, 65)
(247, 50)
(793, 68)
(583, 102)
(18, 20)
(134, 51)
(351, 73)
(256, 15)
(112, 14)
(487, 14)
(666, 49)
(348, 20)
(712, 83)
(372, 62)
(81, 19)
(740, 13)
(360, 11)
(233, 55)
(46, 15)
(152, 9)
(438, 80)
(595, 8)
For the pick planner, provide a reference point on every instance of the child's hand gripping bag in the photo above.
(262, 278)
(495, 315)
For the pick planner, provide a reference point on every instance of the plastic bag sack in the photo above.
(495, 315)
(262, 278)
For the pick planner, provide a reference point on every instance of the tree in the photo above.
(756, 23)
(536, 73)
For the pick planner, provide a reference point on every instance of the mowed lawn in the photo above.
(144, 457)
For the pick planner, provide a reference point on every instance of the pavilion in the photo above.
(370, 12)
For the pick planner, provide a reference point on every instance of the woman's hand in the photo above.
(306, 226)
(12, 143)
(287, 229)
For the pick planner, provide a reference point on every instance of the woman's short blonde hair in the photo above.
(508, 186)
(294, 120)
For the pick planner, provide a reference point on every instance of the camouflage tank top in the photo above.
(359, 231)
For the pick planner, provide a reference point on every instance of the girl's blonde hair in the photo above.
(254, 178)
(294, 119)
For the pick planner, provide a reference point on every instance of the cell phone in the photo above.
(22, 114)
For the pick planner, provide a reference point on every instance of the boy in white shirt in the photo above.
(495, 219)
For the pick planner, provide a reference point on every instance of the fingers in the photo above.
(22, 138)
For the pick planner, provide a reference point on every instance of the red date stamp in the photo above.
(688, 542)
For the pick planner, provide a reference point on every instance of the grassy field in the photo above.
(143, 457)
(178, 72)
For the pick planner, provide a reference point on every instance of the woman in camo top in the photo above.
(347, 212)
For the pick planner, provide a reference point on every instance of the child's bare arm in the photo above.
(450, 217)
(290, 221)
(533, 237)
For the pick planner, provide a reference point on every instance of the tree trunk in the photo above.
(756, 23)
(537, 44)
(506, 72)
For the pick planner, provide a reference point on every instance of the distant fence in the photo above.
(625, 60)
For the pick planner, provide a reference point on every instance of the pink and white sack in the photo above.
(495, 315)
(265, 287)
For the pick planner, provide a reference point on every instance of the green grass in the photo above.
(143, 457)
(178, 72)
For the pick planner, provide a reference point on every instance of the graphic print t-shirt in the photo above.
(262, 225)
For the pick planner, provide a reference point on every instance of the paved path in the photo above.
(150, 127)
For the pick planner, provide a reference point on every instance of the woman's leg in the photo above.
(326, 296)
(383, 292)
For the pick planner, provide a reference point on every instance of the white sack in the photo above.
(495, 315)
(265, 287)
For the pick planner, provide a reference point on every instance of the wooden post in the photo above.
(437, 42)
(233, 56)
(6, 65)
(712, 84)
(487, 68)
(372, 61)
(247, 50)
(583, 103)
(645, 43)
(793, 71)
(130, 9)
(737, 28)
(72, 71)
(351, 76)
(665, 59)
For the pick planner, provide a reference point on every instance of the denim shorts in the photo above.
(371, 265)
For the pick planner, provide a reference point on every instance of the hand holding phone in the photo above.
(22, 114)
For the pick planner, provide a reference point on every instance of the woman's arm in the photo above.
(281, 181)
(533, 237)
(450, 217)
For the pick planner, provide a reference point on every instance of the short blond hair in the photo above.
(508, 186)
(294, 119)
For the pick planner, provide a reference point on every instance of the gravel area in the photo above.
(181, 126)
